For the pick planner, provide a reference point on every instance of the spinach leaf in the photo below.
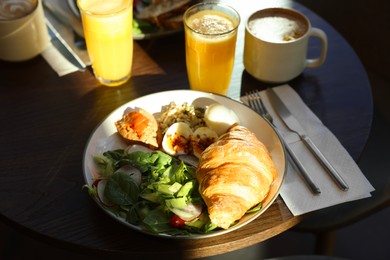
(121, 189)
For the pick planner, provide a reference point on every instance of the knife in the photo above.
(292, 123)
(63, 47)
(255, 102)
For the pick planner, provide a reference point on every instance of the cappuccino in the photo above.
(277, 26)
(15, 9)
(276, 44)
(23, 31)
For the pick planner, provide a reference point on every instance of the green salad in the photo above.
(143, 27)
(152, 190)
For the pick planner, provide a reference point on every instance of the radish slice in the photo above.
(189, 212)
(132, 171)
(100, 186)
(138, 148)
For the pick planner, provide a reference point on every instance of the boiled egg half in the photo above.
(177, 139)
(219, 118)
(201, 139)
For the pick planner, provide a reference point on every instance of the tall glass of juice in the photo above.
(108, 31)
(210, 39)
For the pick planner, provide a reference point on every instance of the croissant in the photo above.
(234, 173)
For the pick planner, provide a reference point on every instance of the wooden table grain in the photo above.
(46, 121)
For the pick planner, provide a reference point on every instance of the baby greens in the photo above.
(168, 189)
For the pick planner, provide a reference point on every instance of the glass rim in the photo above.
(103, 14)
(212, 4)
(30, 13)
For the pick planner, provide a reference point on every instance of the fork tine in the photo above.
(260, 102)
(252, 99)
(256, 103)
(252, 103)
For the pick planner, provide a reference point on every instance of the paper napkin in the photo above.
(64, 24)
(294, 191)
(57, 61)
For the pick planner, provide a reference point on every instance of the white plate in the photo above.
(105, 137)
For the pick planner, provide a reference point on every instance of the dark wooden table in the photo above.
(46, 121)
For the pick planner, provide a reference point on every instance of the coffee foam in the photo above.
(15, 9)
(277, 27)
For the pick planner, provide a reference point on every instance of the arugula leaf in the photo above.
(105, 164)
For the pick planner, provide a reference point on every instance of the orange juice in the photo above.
(108, 33)
(210, 37)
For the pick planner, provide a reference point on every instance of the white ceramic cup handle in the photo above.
(312, 63)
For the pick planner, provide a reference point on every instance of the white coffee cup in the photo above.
(276, 43)
(23, 31)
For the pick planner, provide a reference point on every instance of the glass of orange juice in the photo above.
(108, 31)
(210, 38)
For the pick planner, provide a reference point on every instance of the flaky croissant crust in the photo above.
(235, 173)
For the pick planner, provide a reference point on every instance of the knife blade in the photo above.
(293, 125)
(63, 47)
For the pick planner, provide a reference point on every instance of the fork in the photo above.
(256, 103)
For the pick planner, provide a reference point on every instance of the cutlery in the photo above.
(63, 47)
(294, 126)
(64, 14)
(256, 103)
